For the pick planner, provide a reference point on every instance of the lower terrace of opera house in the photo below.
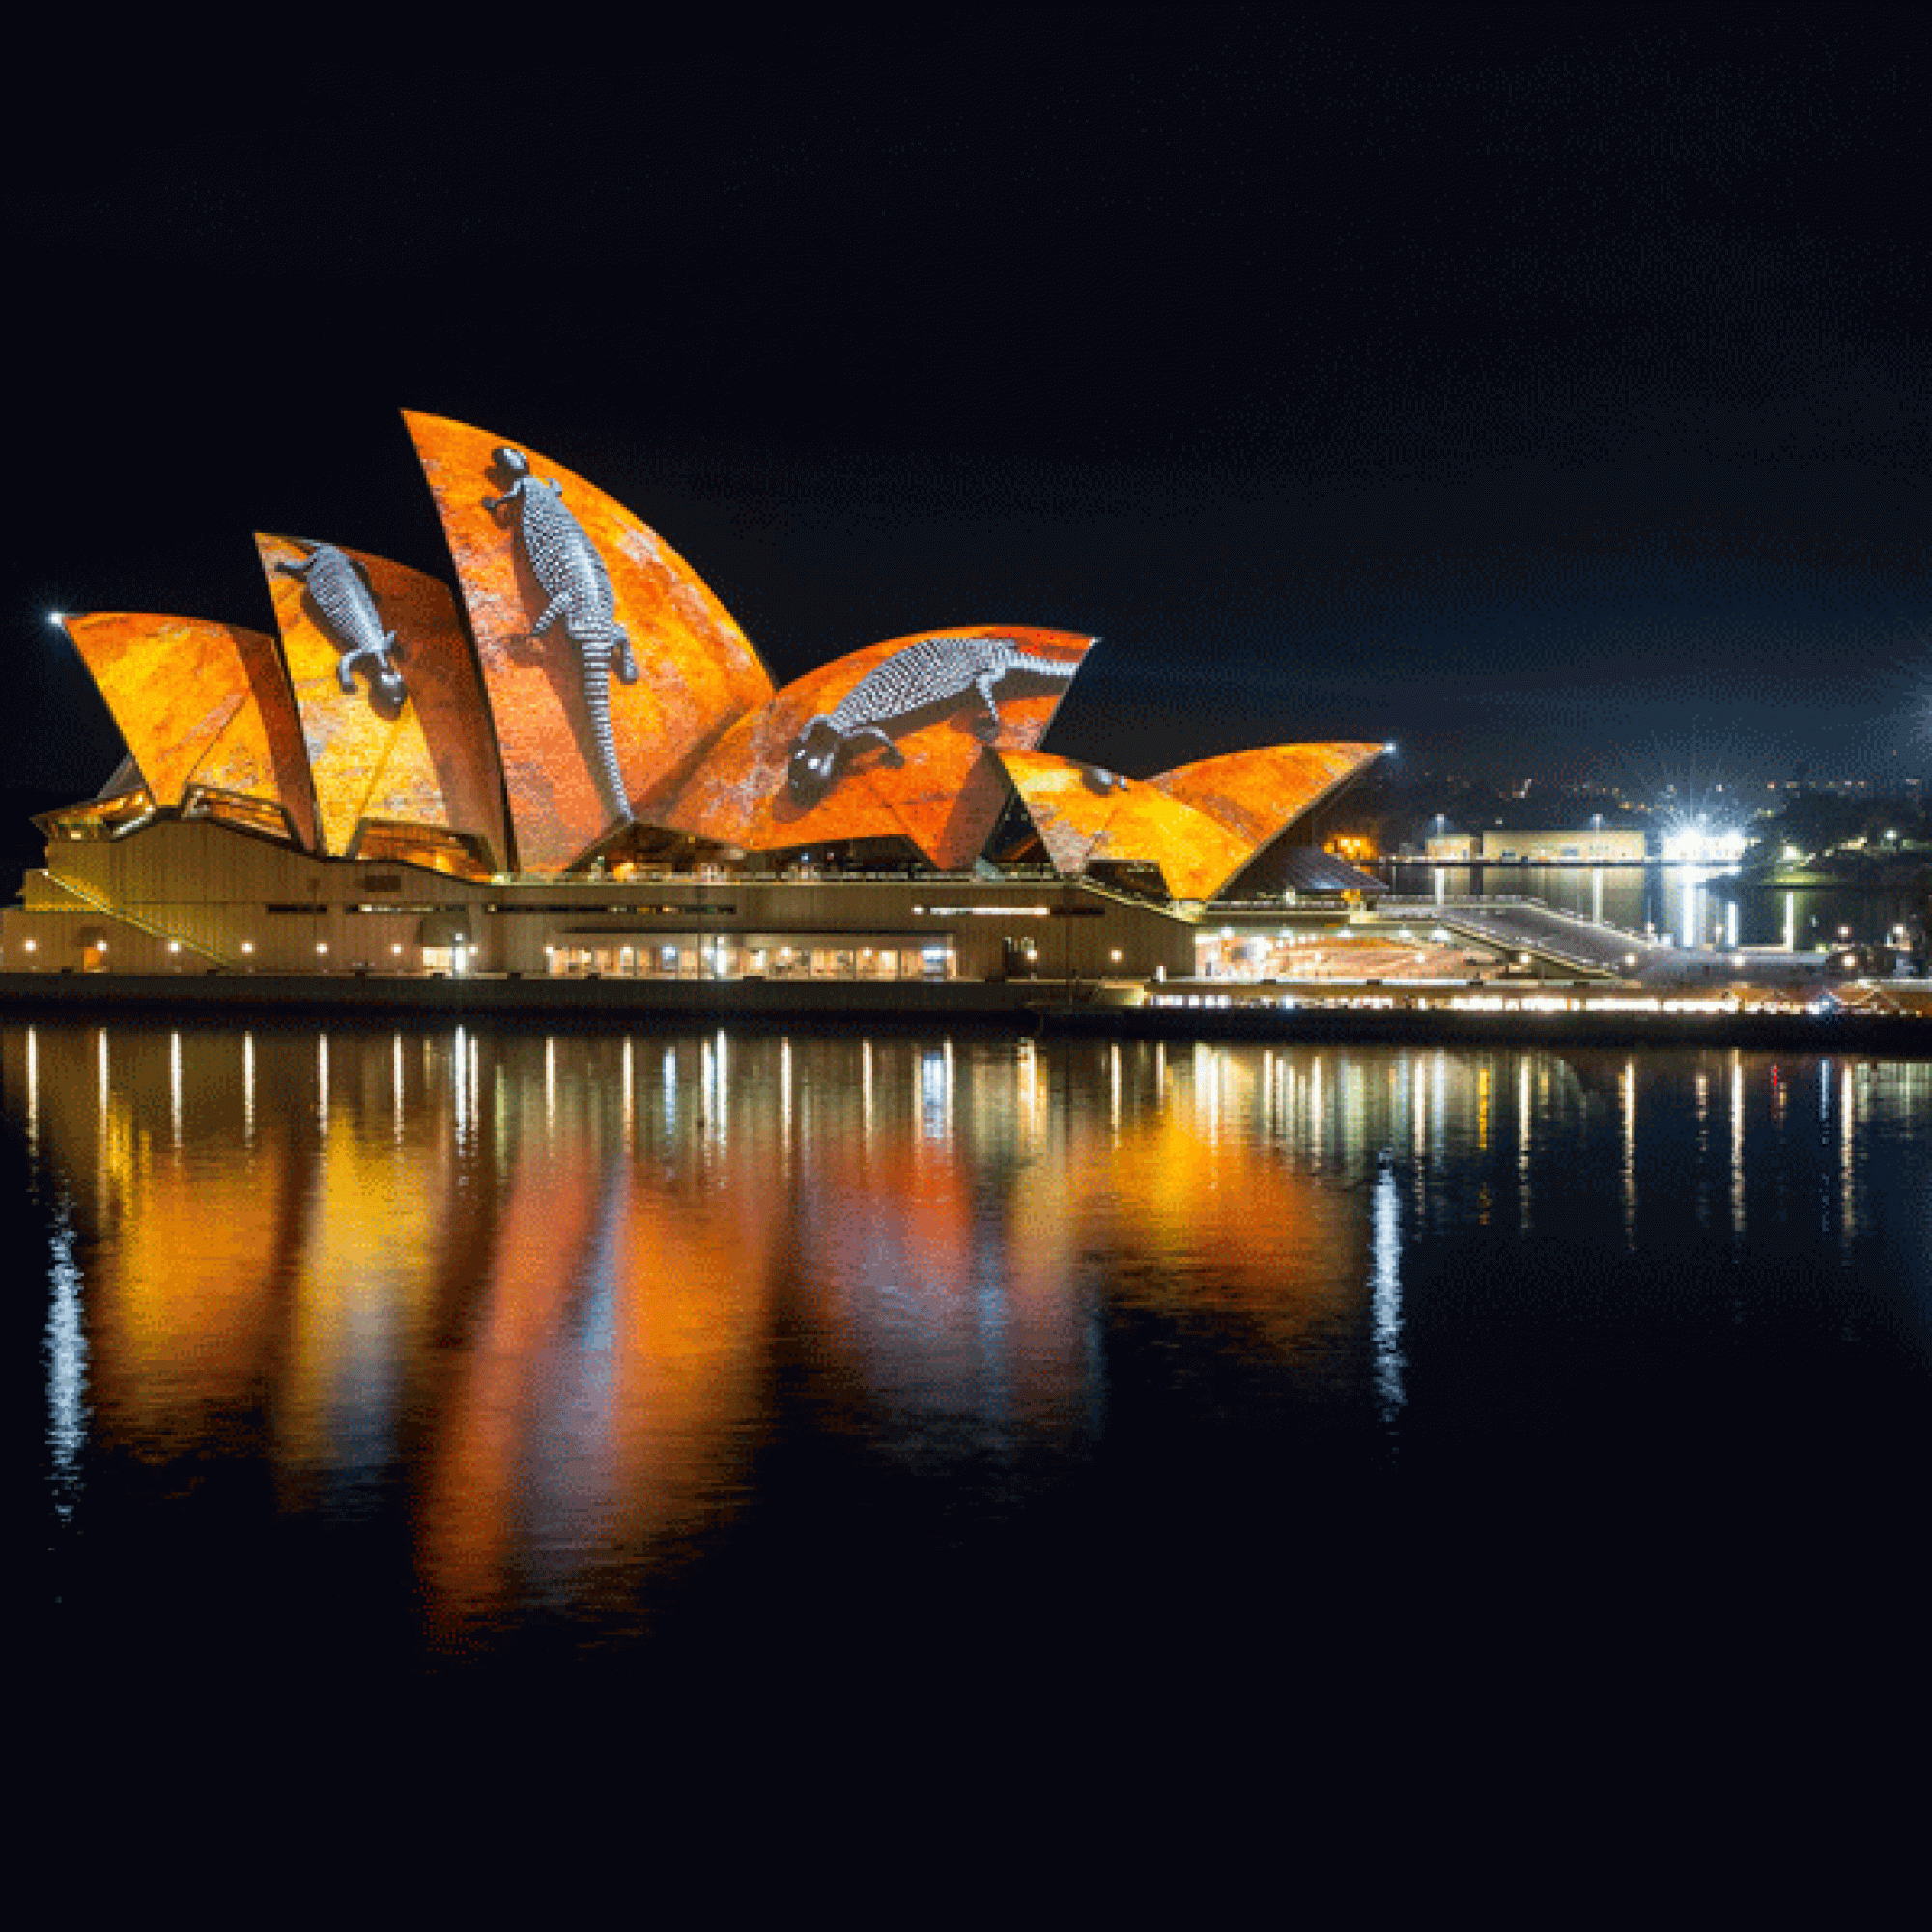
(195, 895)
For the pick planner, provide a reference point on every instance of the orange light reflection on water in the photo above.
(556, 1277)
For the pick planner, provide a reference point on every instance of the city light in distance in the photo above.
(1698, 843)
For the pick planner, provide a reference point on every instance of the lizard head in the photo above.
(809, 776)
(512, 462)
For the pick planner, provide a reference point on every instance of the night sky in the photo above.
(1544, 389)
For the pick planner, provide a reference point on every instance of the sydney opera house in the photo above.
(575, 764)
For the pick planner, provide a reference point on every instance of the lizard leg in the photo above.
(987, 726)
(558, 607)
(893, 755)
(387, 673)
(627, 662)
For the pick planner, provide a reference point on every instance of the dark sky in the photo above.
(1545, 389)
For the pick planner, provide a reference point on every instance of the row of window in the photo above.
(312, 908)
(724, 961)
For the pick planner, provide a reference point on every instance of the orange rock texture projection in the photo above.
(201, 705)
(1200, 823)
(1257, 795)
(944, 792)
(695, 670)
(1086, 814)
(419, 751)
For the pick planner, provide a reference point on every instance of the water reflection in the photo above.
(558, 1291)
(66, 1351)
(1387, 1291)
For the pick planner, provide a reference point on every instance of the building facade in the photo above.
(1586, 847)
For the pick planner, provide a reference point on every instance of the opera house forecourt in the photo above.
(571, 779)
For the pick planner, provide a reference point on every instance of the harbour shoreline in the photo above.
(1105, 1010)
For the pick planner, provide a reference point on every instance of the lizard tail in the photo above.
(1065, 668)
(608, 773)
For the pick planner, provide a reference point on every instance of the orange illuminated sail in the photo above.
(397, 734)
(639, 670)
(892, 740)
(1258, 794)
(1086, 816)
(1200, 823)
(204, 709)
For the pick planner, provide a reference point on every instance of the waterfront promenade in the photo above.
(1883, 1016)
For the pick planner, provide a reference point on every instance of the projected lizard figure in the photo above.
(340, 590)
(928, 676)
(572, 576)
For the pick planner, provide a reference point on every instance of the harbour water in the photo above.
(619, 1365)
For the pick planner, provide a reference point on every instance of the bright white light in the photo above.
(57, 619)
(1697, 843)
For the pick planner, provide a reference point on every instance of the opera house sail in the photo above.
(610, 667)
